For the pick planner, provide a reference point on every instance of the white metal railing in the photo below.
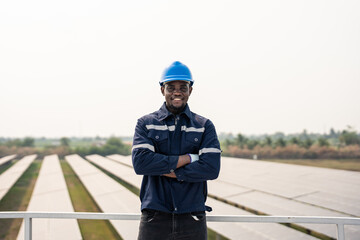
(338, 221)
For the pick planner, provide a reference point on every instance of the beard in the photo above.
(176, 110)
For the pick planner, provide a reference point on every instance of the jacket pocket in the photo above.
(160, 140)
(192, 142)
(148, 215)
(198, 216)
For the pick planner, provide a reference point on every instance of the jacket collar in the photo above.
(164, 112)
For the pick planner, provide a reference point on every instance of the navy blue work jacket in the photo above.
(159, 139)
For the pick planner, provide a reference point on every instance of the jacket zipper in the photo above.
(176, 121)
(172, 196)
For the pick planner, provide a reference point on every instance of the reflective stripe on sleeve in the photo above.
(148, 146)
(209, 150)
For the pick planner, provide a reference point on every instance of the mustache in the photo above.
(176, 109)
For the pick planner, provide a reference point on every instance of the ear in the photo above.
(162, 89)
(190, 90)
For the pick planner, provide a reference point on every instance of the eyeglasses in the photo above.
(171, 88)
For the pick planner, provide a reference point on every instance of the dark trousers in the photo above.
(156, 225)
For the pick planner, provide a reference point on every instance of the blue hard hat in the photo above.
(176, 71)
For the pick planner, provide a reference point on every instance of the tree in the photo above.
(294, 140)
(278, 135)
(280, 142)
(115, 145)
(14, 143)
(304, 135)
(65, 142)
(349, 137)
(332, 133)
(268, 141)
(252, 143)
(227, 142)
(323, 142)
(28, 142)
(241, 140)
(114, 141)
(307, 143)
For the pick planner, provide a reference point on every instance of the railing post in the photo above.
(28, 228)
(340, 231)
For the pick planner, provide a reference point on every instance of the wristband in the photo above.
(193, 157)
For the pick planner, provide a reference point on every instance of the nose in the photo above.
(177, 91)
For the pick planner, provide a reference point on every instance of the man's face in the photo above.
(176, 95)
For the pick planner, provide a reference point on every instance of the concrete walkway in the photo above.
(11, 175)
(109, 195)
(51, 195)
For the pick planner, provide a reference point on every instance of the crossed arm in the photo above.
(183, 160)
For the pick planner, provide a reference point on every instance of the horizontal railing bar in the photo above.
(214, 218)
(285, 219)
(71, 215)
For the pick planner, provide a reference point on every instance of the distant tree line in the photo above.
(334, 145)
(63, 147)
(26, 142)
(343, 144)
(112, 146)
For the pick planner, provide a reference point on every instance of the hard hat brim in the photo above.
(177, 79)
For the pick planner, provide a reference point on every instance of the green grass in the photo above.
(17, 199)
(83, 202)
(212, 235)
(343, 164)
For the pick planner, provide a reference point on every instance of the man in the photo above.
(177, 151)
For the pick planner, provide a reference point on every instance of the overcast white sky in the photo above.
(87, 68)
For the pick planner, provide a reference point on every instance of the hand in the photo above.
(170, 175)
(183, 160)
